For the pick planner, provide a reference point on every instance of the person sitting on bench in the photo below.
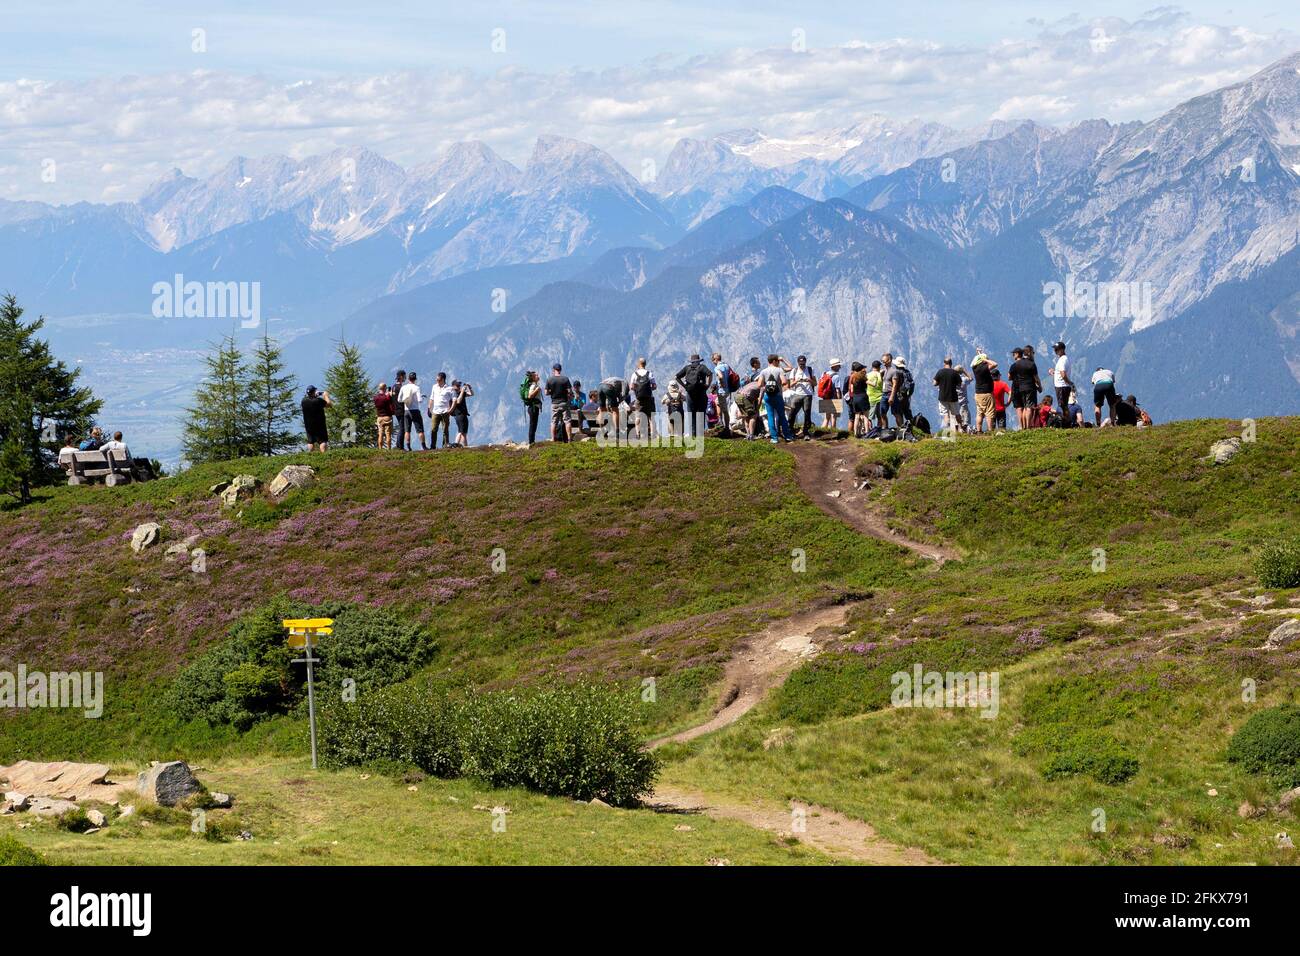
(117, 447)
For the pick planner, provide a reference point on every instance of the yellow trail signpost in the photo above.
(306, 633)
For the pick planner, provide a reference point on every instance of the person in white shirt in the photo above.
(802, 386)
(1103, 393)
(117, 447)
(410, 399)
(441, 397)
(1061, 379)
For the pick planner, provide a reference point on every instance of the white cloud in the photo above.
(113, 136)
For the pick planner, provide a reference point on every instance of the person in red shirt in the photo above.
(1001, 395)
(1044, 417)
(385, 409)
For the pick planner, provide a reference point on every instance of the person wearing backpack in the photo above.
(399, 415)
(641, 385)
(829, 396)
(725, 384)
(530, 393)
(695, 379)
(778, 426)
(901, 386)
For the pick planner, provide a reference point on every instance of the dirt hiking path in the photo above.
(761, 664)
(826, 830)
(826, 474)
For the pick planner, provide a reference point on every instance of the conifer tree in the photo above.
(220, 426)
(271, 400)
(351, 419)
(40, 403)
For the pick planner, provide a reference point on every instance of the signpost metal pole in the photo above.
(304, 633)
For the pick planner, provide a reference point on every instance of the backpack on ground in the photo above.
(887, 434)
(826, 387)
(921, 424)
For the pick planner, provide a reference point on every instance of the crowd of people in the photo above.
(774, 400)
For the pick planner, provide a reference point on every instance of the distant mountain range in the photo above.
(1140, 243)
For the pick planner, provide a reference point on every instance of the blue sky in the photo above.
(116, 94)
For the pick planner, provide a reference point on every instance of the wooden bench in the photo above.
(86, 466)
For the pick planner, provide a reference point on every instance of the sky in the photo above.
(99, 100)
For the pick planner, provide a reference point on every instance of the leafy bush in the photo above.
(249, 676)
(1091, 753)
(75, 821)
(568, 741)
(1268, 744)
(1278, 565)
(15, 853)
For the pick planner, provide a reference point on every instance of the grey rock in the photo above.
(218, 488)
(240, 489)
(95, 817)
(51, 806)
(222, 801)
(597, 802)
(145, 536)
(167, 783)
(17, 801)
(1224, 450)
(290, 478)
(1282, 635)
(181, 548)
(1288, 798)
(128, 810)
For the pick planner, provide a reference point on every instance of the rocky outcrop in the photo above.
(1224, 450)
(168, 783)
(145, 536)
(290, 478)
(240, 489)
(1282, 635)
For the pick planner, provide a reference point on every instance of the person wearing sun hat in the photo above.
(830, 397)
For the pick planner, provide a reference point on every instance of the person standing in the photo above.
(1061, 379)
(385, 409)
(642, 385)
(723, 387)
(410, 398)
(399, 410)
(533, 403)
(1103, 392)
(695, 379)
(876, 412)
(1001, 395)
(982, 368)
(440, 399)
(948, 380)
(778, 426)
(747, 398)
(559, 390)
(313, 418)
(1024, 388)
(802, 387)
(830, 397)
(857, 394)
(460, 411)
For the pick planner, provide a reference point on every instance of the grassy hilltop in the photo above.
(1105, 575)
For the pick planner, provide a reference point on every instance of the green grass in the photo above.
(1121, 682)
(298, 816)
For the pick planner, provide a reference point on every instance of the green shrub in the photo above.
(1093, 754)
(74, 821)
(1268, 744)
(568, 741)
(15, 853)
(250, 675)
(1278, 565)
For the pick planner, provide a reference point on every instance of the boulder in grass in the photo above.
(1282, 635)
(291, 477)
(145, 536)
(181, 548)
(167, 784)
(1224, 450)
(240, 489)
(51, 806)
(218, 488)
(95, 817)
